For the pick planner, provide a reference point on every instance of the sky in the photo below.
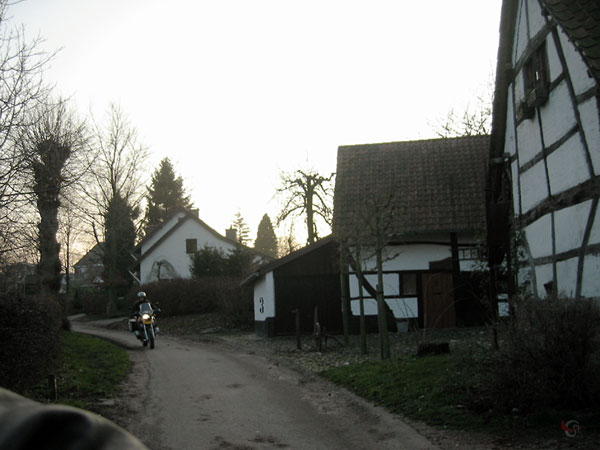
(235, 92)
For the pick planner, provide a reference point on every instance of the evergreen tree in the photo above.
(165, 195)
(119, 242)
(266, 241)
(241, 228)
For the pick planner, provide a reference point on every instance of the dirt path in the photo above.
(189, 395)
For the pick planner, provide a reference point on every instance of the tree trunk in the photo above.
(363, 328)
(48, 268)
(310, 225)
(345, 296)
(384, 338)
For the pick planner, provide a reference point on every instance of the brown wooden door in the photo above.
(438, 300)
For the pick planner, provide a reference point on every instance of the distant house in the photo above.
(165, 253)
(435, 227)
(88, 270)
(19, 278)
(300, 281)
(545, 145)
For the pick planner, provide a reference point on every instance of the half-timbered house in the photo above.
(428, 198)
(545, 145)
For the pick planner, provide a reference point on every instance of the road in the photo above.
(188, 395)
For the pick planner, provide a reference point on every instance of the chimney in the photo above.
(231, 233)
(195, 212)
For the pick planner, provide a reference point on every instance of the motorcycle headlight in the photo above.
(145, 316)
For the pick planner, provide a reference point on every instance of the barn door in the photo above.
(438, 300)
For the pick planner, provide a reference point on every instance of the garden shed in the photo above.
(306, 279)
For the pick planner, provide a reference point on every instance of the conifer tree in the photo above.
(119, 242)
(266, 241)
(241, 228)
(165, 194)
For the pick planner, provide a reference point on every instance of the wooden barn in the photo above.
(302, 280)
(545, 145)
(430, 196)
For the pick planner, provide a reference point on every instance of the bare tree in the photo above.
(286, 242)
(70, 233)
(309, 194)
(366, 235)
(118, 170)
(52, 149)
(475, 120)
(21, 90)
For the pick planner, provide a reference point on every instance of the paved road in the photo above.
(187, 395)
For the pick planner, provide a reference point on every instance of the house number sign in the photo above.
(261, 308)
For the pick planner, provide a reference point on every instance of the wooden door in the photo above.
(438, 300)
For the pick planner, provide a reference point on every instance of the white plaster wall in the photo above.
(173, 249)
(529, 138)
(567, 165)
(554, 64)
(569, 224)
(566, 274)
(413, 256)
(402, 308)
(538, 236)
(590, 121)
(519, 88)
(391, 284)
(161, 232)
(533, 186)
(536, 20)
(595, 232)
(577, 68)
(557, 114)
(543, 275)
(264, 298)
(514, 168)
(591, 277)
(521, 38)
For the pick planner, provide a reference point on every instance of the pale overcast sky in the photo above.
(234, 91)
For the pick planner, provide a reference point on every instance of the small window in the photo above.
(468, 253)
(408, 284)
(536, 79)
(191, 246)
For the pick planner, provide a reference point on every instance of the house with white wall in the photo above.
(431, 196)
(165, 253)
(545, 146)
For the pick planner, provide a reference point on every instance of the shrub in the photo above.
(30, 340)
(221, 294)
(94, 301)
(548, 358)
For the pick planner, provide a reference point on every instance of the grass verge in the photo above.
(89, 369)
(437, 389)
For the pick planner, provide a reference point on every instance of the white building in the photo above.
(545, 144)
(165, 253)
(432, 194)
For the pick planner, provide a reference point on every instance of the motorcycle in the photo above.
(144, 324)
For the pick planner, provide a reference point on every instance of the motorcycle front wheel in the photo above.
(151, 338)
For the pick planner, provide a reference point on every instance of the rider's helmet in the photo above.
(141, 295)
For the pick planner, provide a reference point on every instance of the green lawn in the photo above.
(89, 369)
(437, 390)
(420, 388)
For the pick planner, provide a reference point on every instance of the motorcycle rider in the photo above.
(135, 309)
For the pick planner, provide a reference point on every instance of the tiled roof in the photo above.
(439, 183)
(580, 19)
(94, 256)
